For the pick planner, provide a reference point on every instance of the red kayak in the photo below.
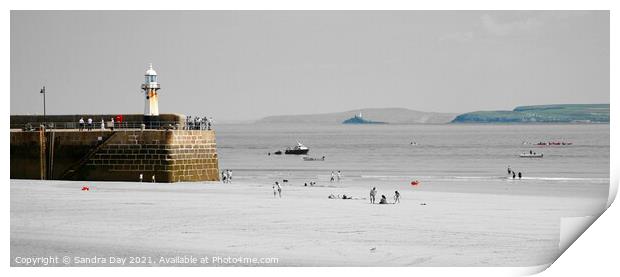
(415, 183)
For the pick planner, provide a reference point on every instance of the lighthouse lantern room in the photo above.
(150, 88)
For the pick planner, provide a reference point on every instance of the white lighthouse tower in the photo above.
(150, 88)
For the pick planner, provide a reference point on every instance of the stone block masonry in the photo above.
(169, 155)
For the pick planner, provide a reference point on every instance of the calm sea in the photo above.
(454, 157)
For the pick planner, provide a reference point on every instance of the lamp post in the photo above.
(44, 115)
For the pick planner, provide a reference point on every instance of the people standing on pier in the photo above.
(81, 125)
(209, 123)
(141, 177)
(90, 124)
(373, 192)
(153, 178)
(102, 124)
(112, 123)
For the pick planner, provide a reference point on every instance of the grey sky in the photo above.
(249, 64)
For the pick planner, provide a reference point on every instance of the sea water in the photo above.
(446, 157)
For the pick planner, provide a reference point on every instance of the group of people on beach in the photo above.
(383, 200)
(514, 174)
(336, 176)
(312, 183)
(198, 123)
(226, 176)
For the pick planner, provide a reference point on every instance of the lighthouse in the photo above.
(150, 88)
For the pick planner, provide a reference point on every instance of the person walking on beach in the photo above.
(81, 124)
(332, 178)
(339, 175)
(279, 188)
(396, 197)
(224, 175)
(373, 192)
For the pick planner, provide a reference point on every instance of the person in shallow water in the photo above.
(513, 175)
(519, 175)
(396, 197)
(509, 170)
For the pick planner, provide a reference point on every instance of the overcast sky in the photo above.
(250, 64)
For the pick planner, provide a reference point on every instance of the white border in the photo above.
(595, 251)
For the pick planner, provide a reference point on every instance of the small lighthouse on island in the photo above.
(150, 88)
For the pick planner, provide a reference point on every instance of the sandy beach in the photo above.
(303, 228)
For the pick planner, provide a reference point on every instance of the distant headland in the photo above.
(562, 113)
(379, 115)
(566, 113)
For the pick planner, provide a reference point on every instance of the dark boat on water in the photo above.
(299, 149)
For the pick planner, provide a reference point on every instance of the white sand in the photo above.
(304, 228)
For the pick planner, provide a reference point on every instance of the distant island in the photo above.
(358, 119)
(381, 115)
(566, 113)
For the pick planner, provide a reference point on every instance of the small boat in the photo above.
(531, 155)
(313, 159)
(554, 143)
(298, 149)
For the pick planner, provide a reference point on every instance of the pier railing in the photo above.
(31, 126)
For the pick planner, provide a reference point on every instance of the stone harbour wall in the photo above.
(169, 155)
